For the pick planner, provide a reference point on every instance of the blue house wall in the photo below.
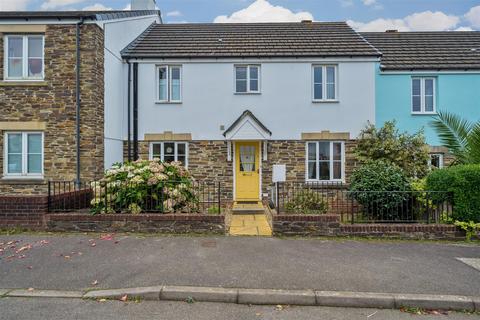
(455, 92)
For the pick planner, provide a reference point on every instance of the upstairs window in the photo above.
(325, 161)
(324, 83)
(247, 79)
(423, 95)
(436, 160)
(24, 57)
(170, 151)
(169, 84)
(23, 154)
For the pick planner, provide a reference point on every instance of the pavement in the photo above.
(60, 309)
(249, 225)
(80, 262)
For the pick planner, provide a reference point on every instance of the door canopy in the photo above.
(247, 127)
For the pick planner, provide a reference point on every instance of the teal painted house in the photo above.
(423, 72)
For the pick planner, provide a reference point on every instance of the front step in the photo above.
(248, 208)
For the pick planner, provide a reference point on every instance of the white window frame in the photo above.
(169, 83)
(248, 66)
(331, 161)
(422, 95)
(24, 76)
(24, 174)
(441, 160)
(324, 83)
(175, 152)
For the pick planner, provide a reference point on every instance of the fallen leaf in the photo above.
(30, 289)
(102, 300)
(67, 257)
(93, 244)
(106, 237)
(124, 298)
(30, 267)
(94, 283)
(27, 247)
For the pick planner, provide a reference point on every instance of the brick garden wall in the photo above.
(23, 212)
(53, 102)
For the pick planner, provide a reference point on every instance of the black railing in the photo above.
(361, 206)
(115, 197)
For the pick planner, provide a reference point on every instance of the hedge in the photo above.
(464, 182)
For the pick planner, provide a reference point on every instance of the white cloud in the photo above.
(128, 7)
(263, 11)
(346, 3)
(464, 29)
(473, 16)
(369, 2)
(421, 21)
(97, 7)
(13, 5)
(175, 13)
(52, 4)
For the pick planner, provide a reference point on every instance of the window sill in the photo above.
(325, 101)
(424, 113)
(23, 83)
(22, 180)
(168, 102)
(246, 93)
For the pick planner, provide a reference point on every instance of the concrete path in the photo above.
(78, 262)
(249, 225)
(60, 309)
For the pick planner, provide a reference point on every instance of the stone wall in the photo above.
(329, 225)
(207, 160)
(149, 223)
(53, 102)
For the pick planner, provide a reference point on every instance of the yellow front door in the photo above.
(247, 171)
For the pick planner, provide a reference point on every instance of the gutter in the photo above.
(77, 97)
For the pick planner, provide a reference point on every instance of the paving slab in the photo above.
(146, 293)
(44, 293)
(446, 302)
(205, 294)
(274, 297)
(354, 299)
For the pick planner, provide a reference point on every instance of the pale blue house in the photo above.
(423, 72)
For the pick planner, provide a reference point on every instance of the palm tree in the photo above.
(460, 136)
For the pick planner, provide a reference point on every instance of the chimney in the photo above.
(306, 21)
(391, 31)
(143, 4)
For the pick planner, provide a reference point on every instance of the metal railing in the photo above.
(113, 197)
(361, 206)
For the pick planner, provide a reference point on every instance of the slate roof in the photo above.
(207, 40)
(92, 15)
(447, 50)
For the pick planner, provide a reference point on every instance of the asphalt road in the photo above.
(61, 309)
(85, 261)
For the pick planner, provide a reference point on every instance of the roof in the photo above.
(446, 50)
(207, 40)
(93, 15)
(247, 114)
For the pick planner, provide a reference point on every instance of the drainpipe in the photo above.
(135, 111)
(129, 129)
(77, 91)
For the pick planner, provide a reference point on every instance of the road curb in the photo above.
(306, 297)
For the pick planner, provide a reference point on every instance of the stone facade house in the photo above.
(55, 68)
(244, 103)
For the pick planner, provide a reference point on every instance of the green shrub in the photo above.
(307, 202)
(463, 182)
(407, 151)
(373, 185)
(470, 228)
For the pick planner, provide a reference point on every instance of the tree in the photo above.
(407, 151)
(460, 136)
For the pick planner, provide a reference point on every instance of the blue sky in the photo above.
(362, 14)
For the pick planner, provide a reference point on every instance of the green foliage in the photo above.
(463, 182)
(407, 151)
(213, 210)
(373, 185)
(307, 202)
(135, 186)
(470, 228)
(460, 136)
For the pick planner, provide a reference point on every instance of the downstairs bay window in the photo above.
(170, 151)
(23, 155)
(325, 161)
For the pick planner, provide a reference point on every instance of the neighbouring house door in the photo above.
(247, 171)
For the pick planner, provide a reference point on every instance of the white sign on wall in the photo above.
(279, 173)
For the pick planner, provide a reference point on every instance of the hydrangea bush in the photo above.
(145, 185)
